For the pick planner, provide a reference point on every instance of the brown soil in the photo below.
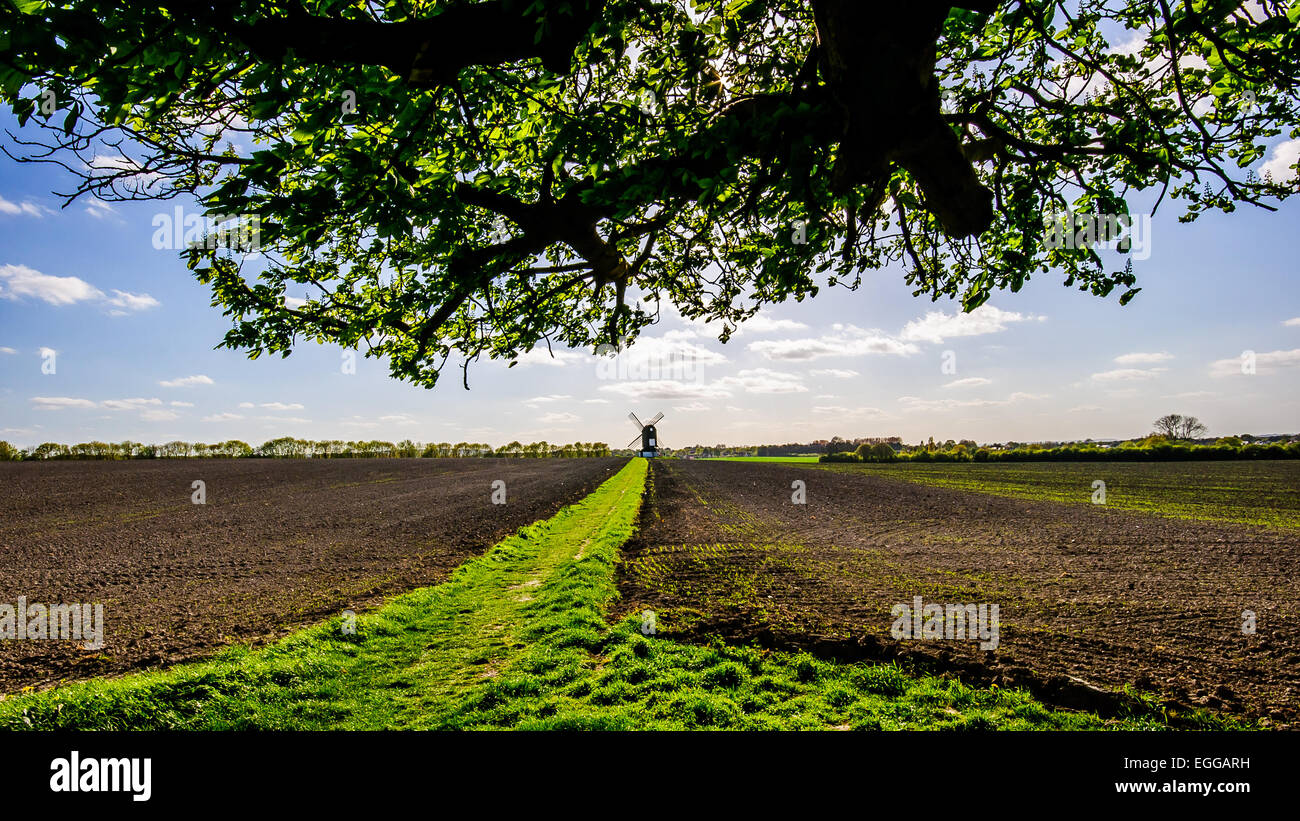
(279, 544)
(1091, 600)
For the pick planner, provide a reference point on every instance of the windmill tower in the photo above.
(649, 436)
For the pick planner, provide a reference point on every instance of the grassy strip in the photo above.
(517, 638)
(1258, 493)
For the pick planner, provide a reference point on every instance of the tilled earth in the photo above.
(278, 544)
(1091, 600)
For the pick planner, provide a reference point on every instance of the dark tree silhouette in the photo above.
(459, 179)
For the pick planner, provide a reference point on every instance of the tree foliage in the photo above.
(440, 181)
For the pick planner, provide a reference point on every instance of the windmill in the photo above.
(649, 436)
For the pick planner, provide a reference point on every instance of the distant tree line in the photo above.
(816, 447)
(1153, 448)
(287, 447)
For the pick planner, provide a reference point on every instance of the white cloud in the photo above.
(19, 281)
(650, 354)
(915, 403)
(186, 381)
(846, 341)
(1291, 323)
(292, 420)
(969, 382)
(128, 404)
(110, 165)
(159, 415)
(222, 417)
(936, 326)
(359, 422)
(762, 324)
(835, 373)
(99, 209)
(1194, 395)
(58, 402)
(542, 356)
(26, 207)
(679, 334)
(1284, 156)
(595, 401)
(1143, 358)
(132, 302)
(1128, 374)
(181, 404)
(856, 413)
(559, 418)
(692, 407)
(248, 405)
(1085, 409)
(764, 380)
(280, 406)
(8, 350)
(1264, 363)
(398, 419)
(543, 400)
(667, 389)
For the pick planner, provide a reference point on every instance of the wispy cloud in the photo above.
(834, 373)
(548, 399)
(847, 340)
(664, 389)
(186, 381)
(1128, 375)
(969, 382)
(25, 208)
(1268, 362)
(131, 302)
(916, 403)
(937, 326)
(553, 359)
(1143, 358)
(60, 402)
(762, 324)
(99, 209)
(763, 380)
(128, 404)
(559, 418)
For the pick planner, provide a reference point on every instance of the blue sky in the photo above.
(134, 336)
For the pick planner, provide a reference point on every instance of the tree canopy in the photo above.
(453, 180)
